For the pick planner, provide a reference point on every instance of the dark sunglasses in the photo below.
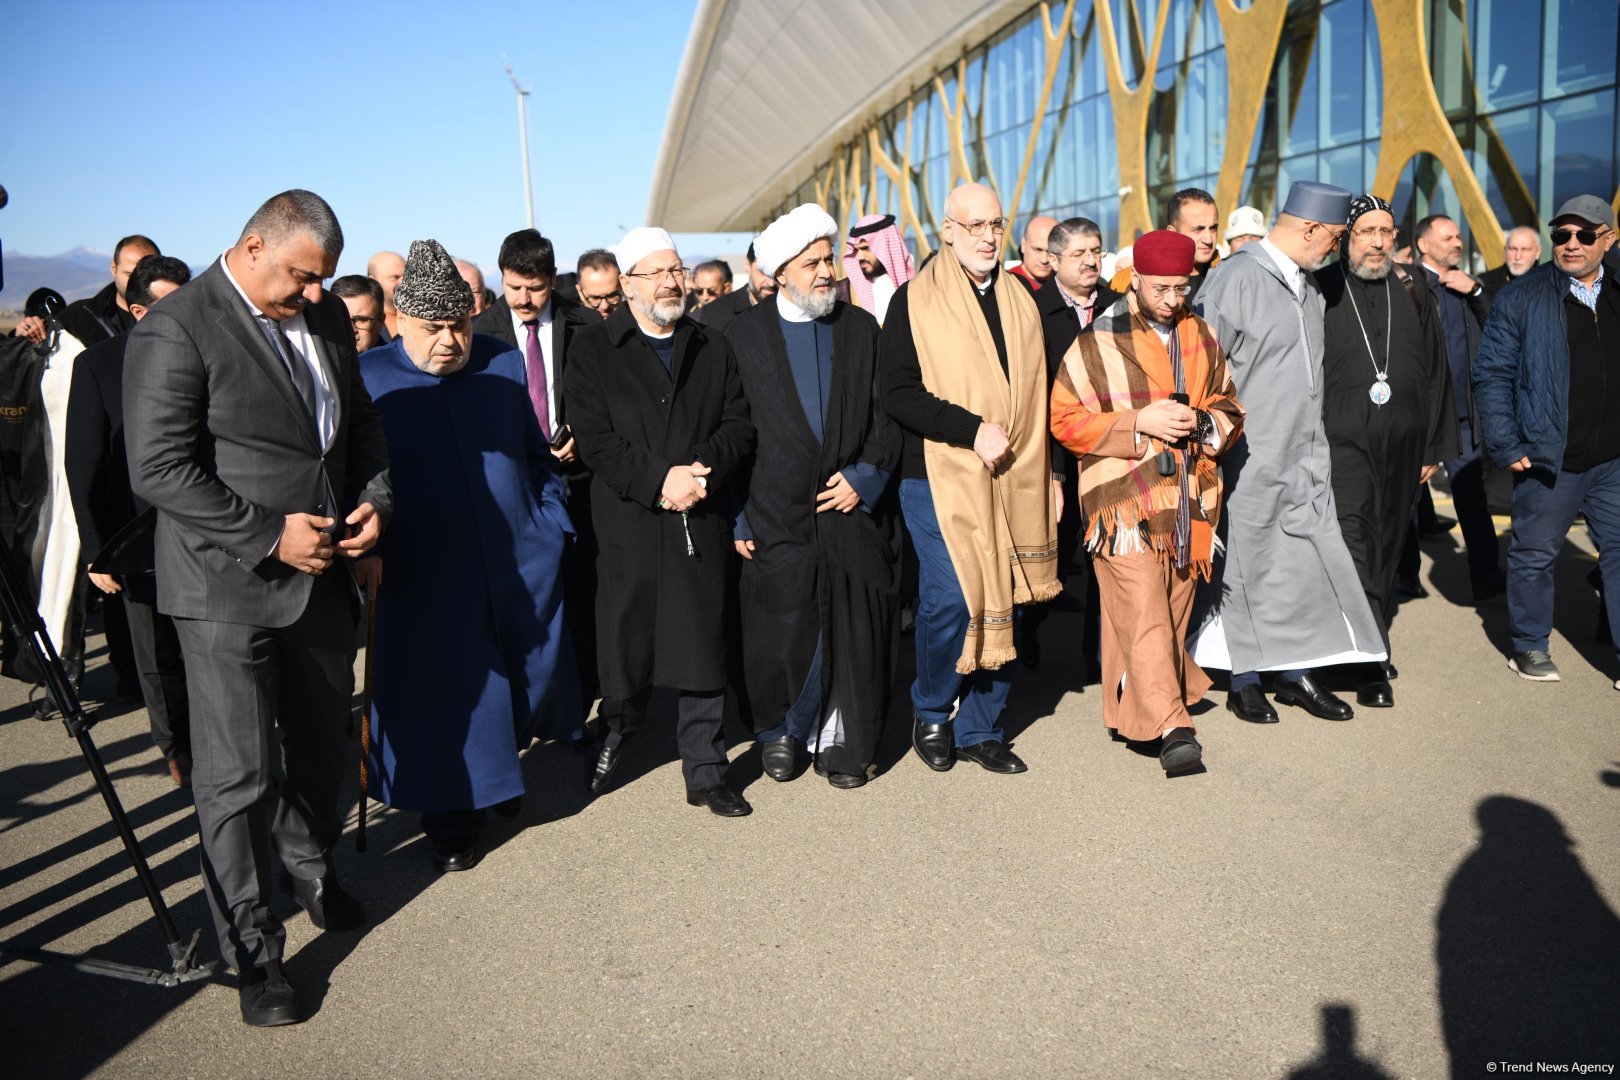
(1587, 237)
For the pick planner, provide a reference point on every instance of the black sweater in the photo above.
(920, 414)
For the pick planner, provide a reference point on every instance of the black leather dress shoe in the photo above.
(1312, 698)
(1029, 651)
(720, 800)
(933, 744)
(267, 997)
(329, 907)
(993, 756)
(1249, 703)
(510, 808)
(1376, 695)
(841, 779)
(453, 861)
(1390, 674)
(780, 757)
(1180, 751)
(606, 761)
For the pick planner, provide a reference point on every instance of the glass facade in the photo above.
(1526, 91)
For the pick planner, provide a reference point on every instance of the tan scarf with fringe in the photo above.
(1000, 530)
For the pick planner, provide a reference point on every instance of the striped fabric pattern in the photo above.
(1115, 369)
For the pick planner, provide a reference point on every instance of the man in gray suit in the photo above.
(249, 430)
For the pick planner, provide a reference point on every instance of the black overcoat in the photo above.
(658, 609)
(832, 577)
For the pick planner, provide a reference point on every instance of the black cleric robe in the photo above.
(662, 574)
(819, 595)
(1378, 451)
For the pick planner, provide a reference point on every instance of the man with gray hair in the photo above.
(249, 430)
(963, 372)
(658, 411)
(1075, 296)
(1287, 597)
(821, 547)
(1521, 251)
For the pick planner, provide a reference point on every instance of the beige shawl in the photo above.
(1000, 530)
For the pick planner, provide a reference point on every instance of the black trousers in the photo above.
(247, 685)
(698, 737)
(159, 662)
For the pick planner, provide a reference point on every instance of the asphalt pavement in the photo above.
(1423, 891)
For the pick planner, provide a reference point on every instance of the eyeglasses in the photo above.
(677, 272)
(1158, 292)
(997, 226)
(604, 300)
(1380, 231)
(1587, 237)
(365, 320)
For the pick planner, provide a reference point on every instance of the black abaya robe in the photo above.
(1378, 451)
(831, 577)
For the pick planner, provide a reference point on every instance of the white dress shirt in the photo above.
(308, 349)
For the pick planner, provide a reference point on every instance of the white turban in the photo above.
(790, 234)
(639, 243)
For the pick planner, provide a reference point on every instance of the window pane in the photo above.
(1507, 52)
(1215, 106)
(1192, 140)
(1447, 36)
(1373, 82)
(1577, 145)
(1298, 70)
(1579, 44)
(1339, 56)
(1343, 167)
(1107, 153)
(1506, 163)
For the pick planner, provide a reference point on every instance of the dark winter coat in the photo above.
(661, 598)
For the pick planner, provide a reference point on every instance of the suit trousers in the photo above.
(159, 664)
(245, 683)
(1467, 474)
(698, 738)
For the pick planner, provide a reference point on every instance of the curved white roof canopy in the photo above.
(768, 88)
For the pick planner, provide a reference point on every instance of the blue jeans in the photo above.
(805, 713)
(1544, 507)
(942, 620)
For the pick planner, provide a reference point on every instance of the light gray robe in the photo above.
(1286, 594)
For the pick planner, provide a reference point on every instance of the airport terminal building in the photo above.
(1492, 111)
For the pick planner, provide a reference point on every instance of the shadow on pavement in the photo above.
(1526, 947)
(1339, 1059)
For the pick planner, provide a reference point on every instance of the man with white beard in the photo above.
(658, 414)
(821, 545)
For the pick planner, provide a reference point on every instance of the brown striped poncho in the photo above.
(1115, 368)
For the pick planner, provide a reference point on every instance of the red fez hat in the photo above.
(1163, 253)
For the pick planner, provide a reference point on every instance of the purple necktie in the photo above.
(536, 364)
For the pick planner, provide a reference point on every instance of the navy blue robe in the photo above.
(470, 634)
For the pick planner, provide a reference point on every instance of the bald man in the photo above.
(1522, 251)
(1035, 271)
(386, 268)
(962, 370)
(474, 278)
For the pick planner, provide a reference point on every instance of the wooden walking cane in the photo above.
(365, 707)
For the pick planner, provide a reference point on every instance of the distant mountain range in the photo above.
(75, 274)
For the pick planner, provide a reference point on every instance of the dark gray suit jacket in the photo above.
(218, 441)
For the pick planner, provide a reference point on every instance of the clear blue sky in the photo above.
(176, 120)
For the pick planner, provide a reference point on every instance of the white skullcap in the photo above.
(639, 243)
(790, 234)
